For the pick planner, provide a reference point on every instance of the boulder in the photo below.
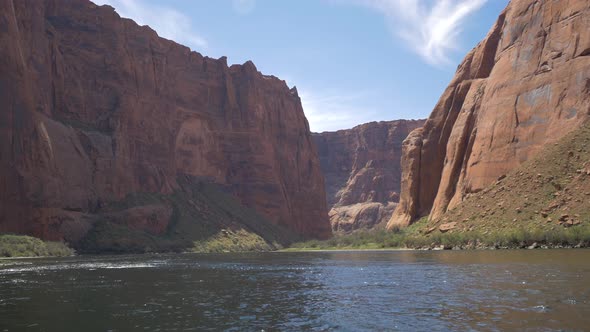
(447, 227)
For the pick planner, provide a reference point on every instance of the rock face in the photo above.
(360, 216)
(96, 108)
(547, 192)
(362, 171)
(525, 86)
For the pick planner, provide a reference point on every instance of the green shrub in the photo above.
(412, 238)
(27, 246)
(58, 249)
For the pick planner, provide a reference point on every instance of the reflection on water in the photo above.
(323, 291)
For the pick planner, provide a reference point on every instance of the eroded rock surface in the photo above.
(362, 172)
(96, 108)
(526, 85)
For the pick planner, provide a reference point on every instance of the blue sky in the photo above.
(353, 61)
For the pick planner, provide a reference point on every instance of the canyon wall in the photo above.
(362, 172)
(95, 108)
(526, 85)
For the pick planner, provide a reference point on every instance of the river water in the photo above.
(530, 290)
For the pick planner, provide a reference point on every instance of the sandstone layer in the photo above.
(96, 109)
(362, 172)
(540, 198)
(526, 85)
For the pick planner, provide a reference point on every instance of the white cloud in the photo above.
(330, 111)
(429, 28)
(243, 7)
(168, 22)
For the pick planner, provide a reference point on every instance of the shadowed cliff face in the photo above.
(362, 170)
(95, 108)
(525, 86)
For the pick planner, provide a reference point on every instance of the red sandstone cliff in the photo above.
(362, 172)
(95, 108)
(525, 86)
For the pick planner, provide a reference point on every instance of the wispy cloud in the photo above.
(429, 28)
(332, 110)
(168, 22)
(243, 7)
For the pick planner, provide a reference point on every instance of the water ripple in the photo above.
(354, 291)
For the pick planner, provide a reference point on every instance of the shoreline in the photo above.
(376, 241)
(36, 257)
(440, 247)
(343, 249)
(433, 249)
(307, 250)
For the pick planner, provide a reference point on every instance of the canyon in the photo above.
(106, 126)
(115, 139)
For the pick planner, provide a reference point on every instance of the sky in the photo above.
(353, 61)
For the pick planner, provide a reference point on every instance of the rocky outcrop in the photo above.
(524, 87)
(362, 172)
(360, 216)
(96, 108)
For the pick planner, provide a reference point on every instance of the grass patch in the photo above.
(409, 239)
(234, 241)
(27, 246)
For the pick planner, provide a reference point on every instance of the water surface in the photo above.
(540, 290)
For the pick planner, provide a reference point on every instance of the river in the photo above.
(534, 290)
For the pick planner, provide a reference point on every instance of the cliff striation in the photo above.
(362, 172)
(96, 109)
(526, 85)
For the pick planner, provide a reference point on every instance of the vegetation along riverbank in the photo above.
(28, 246)
(415, 238)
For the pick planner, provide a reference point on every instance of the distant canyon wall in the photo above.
(362, 172)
